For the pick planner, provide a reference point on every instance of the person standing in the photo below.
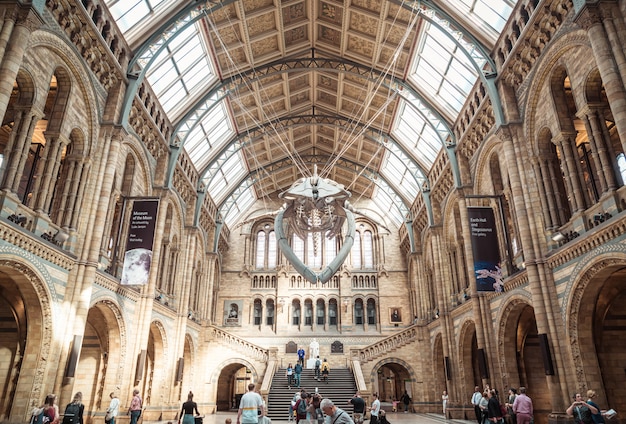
(186, 412)
(298, 371)
(51, 410)
(581, 410)
(597, 417)
(374, 409)
(444, 402)
(523, 407)
(336, 415)
(135, 407)
(301, 356)
(494, 413)
(74, 410)
(301, 408)
(113, 409)
(509, 406)
(249, 406)
(406, 401)
(476, 397)
(358, 406)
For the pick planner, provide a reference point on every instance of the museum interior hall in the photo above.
(428, 195)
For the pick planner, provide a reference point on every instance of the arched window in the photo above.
(621, 163)
(358, 312)
(258, 311)
(295, 314)
(320, 313)
(332, 312)
(269, 312)
(356, 251)
(265, 254)
(308, 312)
(297, 245)
(260, 250)
(368, 250)
(371, 312)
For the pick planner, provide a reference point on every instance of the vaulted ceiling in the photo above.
(261, 90)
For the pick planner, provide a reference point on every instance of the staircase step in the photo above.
(340, 388)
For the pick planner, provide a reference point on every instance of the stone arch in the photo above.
(582, 302)
(469, 373)
(402, 368)
(32, 287)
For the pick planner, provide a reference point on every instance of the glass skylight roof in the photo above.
(181, 70)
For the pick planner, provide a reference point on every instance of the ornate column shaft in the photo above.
(591, 17)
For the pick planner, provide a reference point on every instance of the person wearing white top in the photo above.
(113, 409)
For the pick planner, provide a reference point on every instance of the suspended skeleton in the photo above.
(318, 206)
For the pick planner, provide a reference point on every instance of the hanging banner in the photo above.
(485, 249)
(138, 256)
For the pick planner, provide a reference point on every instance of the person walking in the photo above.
(374, 409)
(249, 406)
(523, 407)
(289, 374)
(113, 410)
(298, 371)
(325, 370)
(186, 411)
(476, 397)
(358, 407)
(316, 416)
(406, 401)
(135, 407)
(336, 415)
(318, 364)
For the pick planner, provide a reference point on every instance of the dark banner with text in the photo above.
(485, 249)
(138, 256)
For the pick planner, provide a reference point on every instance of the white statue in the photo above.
(314, 349)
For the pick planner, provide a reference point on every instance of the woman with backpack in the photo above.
(289, 374)
(74, 410)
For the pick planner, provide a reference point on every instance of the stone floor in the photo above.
(393, 418)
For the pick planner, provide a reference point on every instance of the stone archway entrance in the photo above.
(232, 383)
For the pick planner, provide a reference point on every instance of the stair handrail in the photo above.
(382, 347)
(238, 343)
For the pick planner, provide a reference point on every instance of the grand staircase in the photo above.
(340, 389)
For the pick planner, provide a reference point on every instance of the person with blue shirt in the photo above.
(298, 371)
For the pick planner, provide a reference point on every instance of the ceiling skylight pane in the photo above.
(230, 173)
(244, 202)
(491, 14)
(128, 13)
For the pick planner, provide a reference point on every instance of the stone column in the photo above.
(568, 161)
(17, 148)
(604, 163)
(591, 18)
(14, 40)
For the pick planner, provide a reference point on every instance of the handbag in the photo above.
(109, 416)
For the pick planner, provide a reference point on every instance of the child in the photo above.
(394, 405)
(228, 421)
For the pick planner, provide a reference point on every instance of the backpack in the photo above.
(302, 407)
(325, 367)
(70, 416)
